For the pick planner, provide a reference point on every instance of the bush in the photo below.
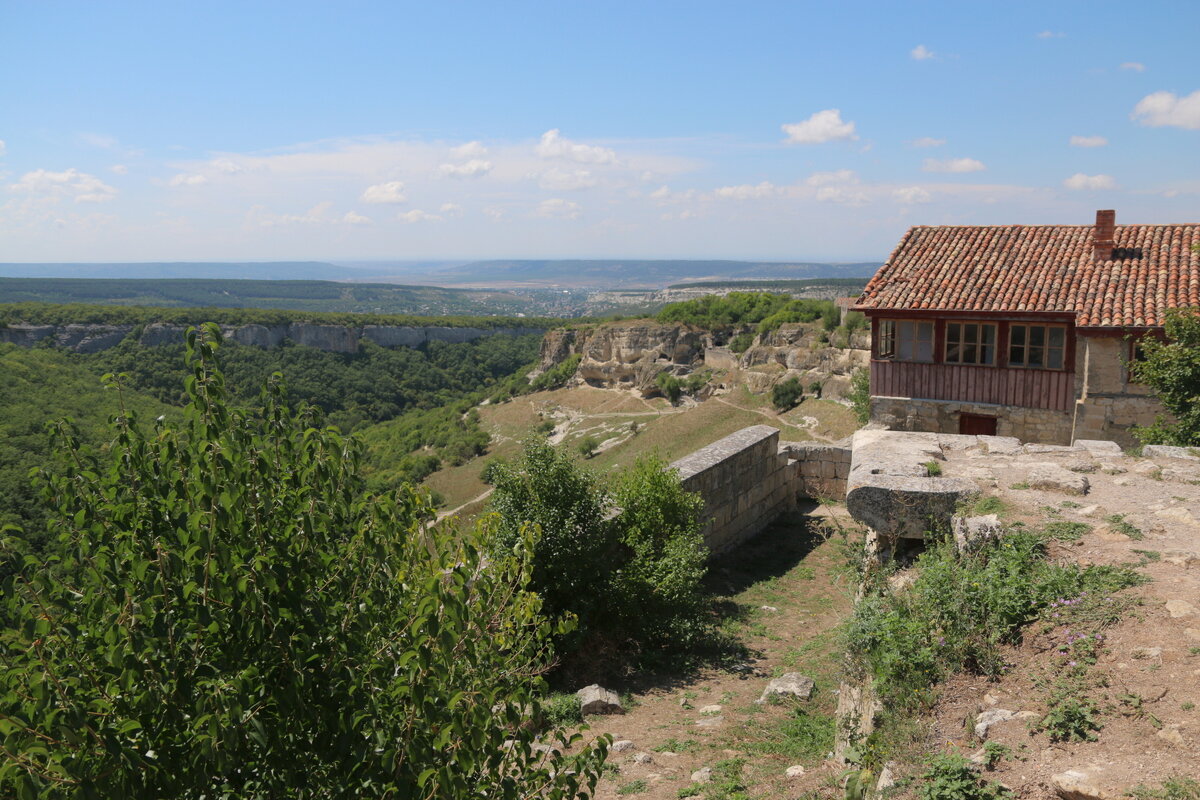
(786, 394)
(558, 375)
(1172, 370)
(222, 614)
(587, 446)
(671, 387)
(742, 342)
(633, 580)
(951, 777)
(860, 395)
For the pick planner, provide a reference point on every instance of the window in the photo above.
(905, 340)
(971, 343)
(1037, 346)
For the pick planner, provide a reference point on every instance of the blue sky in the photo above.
(356, 130)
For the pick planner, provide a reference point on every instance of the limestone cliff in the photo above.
(91, 338)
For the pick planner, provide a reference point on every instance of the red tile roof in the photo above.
(1005, 268)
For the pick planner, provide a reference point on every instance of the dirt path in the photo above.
(787, 591)
(776, 419)
(451, 512)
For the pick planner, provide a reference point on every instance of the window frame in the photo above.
(978, 344)
(888, 340)
(1045, 347)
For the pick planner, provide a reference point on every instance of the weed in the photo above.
(1194, 651)
(562, 710)
(1020, 485)
(1118, 524)
(994, 753)
(933, 468)
(1066, 531)
(727, 783)
(1148, 556)
(633, 787)
(987, 505)
(951, 777)
(1071, 718)
(1070, 504)
(673, 745)
(1188, 706)
(801, 736)
(688, 791)
(1176, 788)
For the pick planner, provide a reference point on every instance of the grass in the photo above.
(1175, 788)
(633, 787)
(1117, 523)
(933, 468)
(1066, 531)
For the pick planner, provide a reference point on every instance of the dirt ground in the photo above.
(787, 592)
(1148, 670)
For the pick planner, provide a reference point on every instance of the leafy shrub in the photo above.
(632, 579)
(951, 777)
(1172, 369)
(860, 395)
(587, 446)
(670, 386)
(933, 468)
(1071, 717)
(742, 342)
(558, 375)
(1174, 788)
(222, 614)
(786, 394)
(961, 609)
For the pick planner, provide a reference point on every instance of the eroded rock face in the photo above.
(633, 354)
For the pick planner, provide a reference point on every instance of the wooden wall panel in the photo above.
(1029, 388)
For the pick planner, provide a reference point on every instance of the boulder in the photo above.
(595, 699)
(702, 775)
(1166, 451)
(795, 771)
(989, 718)
(1053, 478)
(971, 532)
(621, 745)
(1099, 447)
(793, 683)
(1075, 784)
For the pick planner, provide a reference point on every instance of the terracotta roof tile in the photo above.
(1042, 268)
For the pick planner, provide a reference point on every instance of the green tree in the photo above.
(860, 395)
(1172, 369)
(786, 394)
(626, 559)
(223, 614)
(669, 385)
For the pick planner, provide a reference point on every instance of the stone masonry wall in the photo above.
(746, 481)
(821, 469)
(942, 416)
(1109, 404)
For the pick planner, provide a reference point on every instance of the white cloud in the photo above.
(3, 147)
(118, 169)
(1080, 181)
(494, 213)
(226, 166)
(661, 193)
(188, 179)
(417, 215)
(554, 145)
(1135, 66)
(909, 195)
(259, 217)
(921, 53)
(953, 165)
(823, 126)
(390, 192)
(558, 208)
(747, 192)
(1088, 141)
(451, 209)
(354, 218)
(71, 183)
(474, 168)
(469, 150)
(1167, 109)
(842, 195)
(826, 178)
(559, 180)
(928, 141)
(1050, 35)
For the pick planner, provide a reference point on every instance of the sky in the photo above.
(178, 131)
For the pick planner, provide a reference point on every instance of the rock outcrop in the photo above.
(91, 338)
(632, 354)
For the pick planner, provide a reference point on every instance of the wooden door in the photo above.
(976, 425)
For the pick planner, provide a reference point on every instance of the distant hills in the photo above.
(526, 274)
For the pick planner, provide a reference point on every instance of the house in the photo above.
(1024, 330)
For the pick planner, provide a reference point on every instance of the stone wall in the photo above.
(942, 416)
(746, 481)
(821, 469)
(1108, 404)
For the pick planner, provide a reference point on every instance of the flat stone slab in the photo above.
(1166, 451)
(1100, 447)
(1053, 478)
(792, 684)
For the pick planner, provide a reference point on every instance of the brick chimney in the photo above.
(1102, 240)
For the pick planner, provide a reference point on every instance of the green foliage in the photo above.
(558, 375)
(860, 395)
(1172, 369)
(994, 753)
(742, 342)
(727, 782)
(961, 610)
(786, 394)
(587, 446)
(633, 787)
(561, 709)
(1066, 531)
(66, 314)
(949, 776)
(803, 735)
(633, 579)
(223, 615)
(669, 385)
(933, 468)
(1117, 523)
(743, 308)
(39, 385)
(1071, 717)
(1175, 788)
